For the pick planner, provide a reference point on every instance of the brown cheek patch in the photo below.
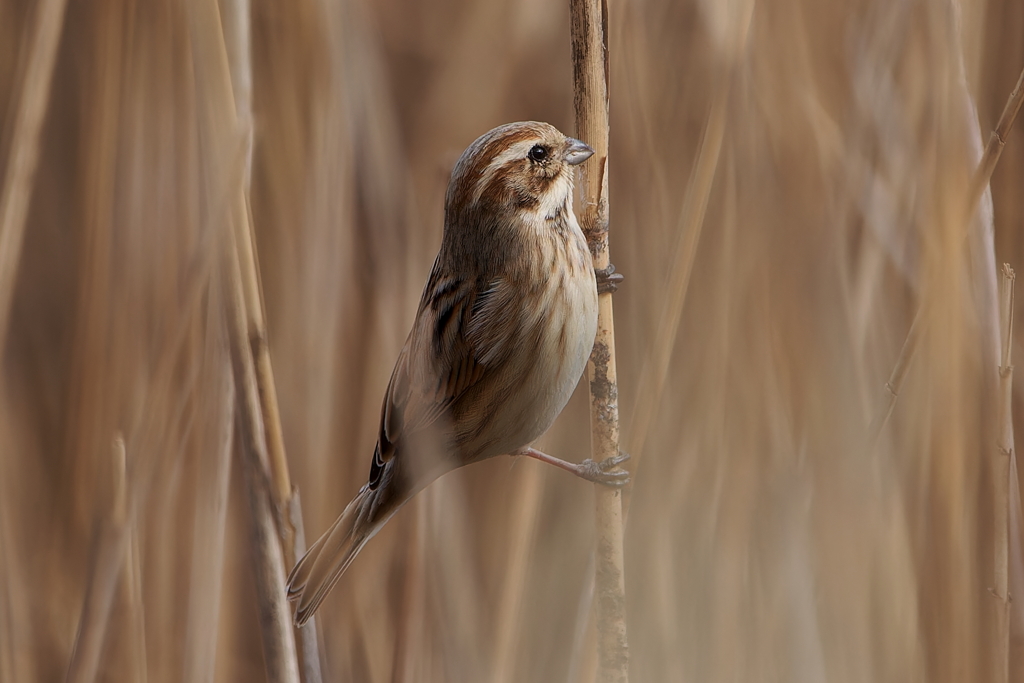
(511, 184)
(463, 192)
(526, 183)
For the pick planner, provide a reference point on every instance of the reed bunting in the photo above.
(503, 332)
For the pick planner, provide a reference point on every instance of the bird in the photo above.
(502, 334)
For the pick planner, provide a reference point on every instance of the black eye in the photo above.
(538, 153)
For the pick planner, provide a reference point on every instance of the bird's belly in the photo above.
(555, 367)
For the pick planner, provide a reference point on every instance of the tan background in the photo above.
(765, 541)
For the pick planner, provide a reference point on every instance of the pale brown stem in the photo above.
(236, 39)
(589, 21)
(309, 644)
(114, 538)
(111, 555)
(895, 382)
(209, 530)
(131, 581)
(509, 609)
(979, 181)
(582, 666)
(287, 508)
(996, 142)
(654, 373)
(1001, 478)
(23, 158)
(11, 655)
(279, 653)
(407, 657)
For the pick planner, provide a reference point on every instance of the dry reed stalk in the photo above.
(526, 499)
(112, 550)
(23, 157)
(131, 569)
(407, 666)
(91, 420)
(237, 44)
(8, 644)
(208, 553)
(281, 488)
(654, 373)
(287, 507)
(309, 642)
(979, 181)
(583, 659)
(1002, 480)
(112, 556)
(279, 653)
(279, 649)
(589, 27)
(996, 142)
(10, 653)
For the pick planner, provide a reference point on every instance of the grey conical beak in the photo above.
(578, 152)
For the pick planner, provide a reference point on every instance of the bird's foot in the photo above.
(608, 280)
(603, 472)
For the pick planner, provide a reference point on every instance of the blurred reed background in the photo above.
(766, 539)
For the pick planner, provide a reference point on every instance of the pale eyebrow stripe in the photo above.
(516, 151)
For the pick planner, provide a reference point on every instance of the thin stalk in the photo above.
(23, 158)
(114, 538)
(131, 570)
(10, 653)
(996, 142)
(408, 665)
(112, 555)
(237, 40)
(279, 653)
(237, 32)
(1002, 480)
(589, 27)
(654, 373)
(979, 181)
(526, 499)
(210, 528)
(215, 86)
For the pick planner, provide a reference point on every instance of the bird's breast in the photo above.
(537, 331)
(566, 317)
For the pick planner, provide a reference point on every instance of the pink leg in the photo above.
(599, 473)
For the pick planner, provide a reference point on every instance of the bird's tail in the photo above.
(323, 564)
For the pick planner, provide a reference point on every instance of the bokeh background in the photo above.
(767, 540)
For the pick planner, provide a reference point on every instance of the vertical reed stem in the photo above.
(221, 52)
(110, 553)
(982, 175)
(285, 501)
(590, 86)
(268, 562)
(23, 158)
(1002, 480)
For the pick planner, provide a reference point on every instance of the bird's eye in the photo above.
(538, 153)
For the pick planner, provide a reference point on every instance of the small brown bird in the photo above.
(504, 328)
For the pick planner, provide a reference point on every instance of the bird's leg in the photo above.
(607, 279)
(597, 472)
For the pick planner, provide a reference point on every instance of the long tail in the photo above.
(323, 564)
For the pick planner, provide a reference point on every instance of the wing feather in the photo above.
(447, 353)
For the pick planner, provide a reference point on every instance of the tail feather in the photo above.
(323, 564)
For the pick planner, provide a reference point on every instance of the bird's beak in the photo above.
(578, 152)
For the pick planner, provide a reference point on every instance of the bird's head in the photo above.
(520, 169)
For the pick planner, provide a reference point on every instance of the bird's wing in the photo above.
(454, 345)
